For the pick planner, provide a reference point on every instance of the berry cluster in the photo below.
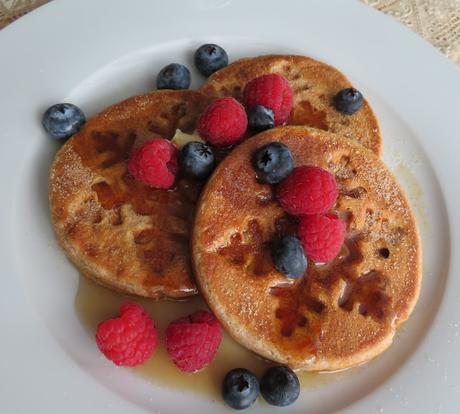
(268, 100)
(279, 386)
(129, 340)
(307, 192)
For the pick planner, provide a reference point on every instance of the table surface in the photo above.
(437, 21)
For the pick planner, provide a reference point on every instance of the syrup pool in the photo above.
(95, 303)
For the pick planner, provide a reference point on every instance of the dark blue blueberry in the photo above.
(197, 159)
(289, 257)
(174, 76)
(240, 388)
(209, 58)
(273, 162)
(349, 101)
(261, 118)
(62, 120)
(280, 386)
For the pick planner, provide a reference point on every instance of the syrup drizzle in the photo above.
(253, 253)
(305, 114)
(299, 311)
(164, 243)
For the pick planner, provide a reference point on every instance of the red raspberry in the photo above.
(224, 122)
(192, 342)
(154, 163)
(130, 339)
(321, 236)
(272, 91)
(307, 190)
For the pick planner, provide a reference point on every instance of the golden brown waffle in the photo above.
(338, 315)
(314, 83)
(117, 231)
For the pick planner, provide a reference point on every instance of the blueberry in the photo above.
(261, 118)
(174, 76)
(349, 101)
(210, 58)
(280, 386)
(289, 257)
(62, 120)
(197, 159)
(240, 388)
(273, 162)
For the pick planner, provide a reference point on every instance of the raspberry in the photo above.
(130, 339)
(192, 342)
(224, 122)
(272, 91)
(154, 163)
(321, 236)
(307, 190)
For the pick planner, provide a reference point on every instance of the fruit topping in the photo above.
(307, 190)
(62, 120)
(261, 118)
(210, 58)
(321, 236)
(154, 163)
(192, 342)
(240, 388)
(272, 91)
(197, 159)
(349, 101)
(280, 386)
(273, 162)
(224, 122)
(130, 339)
(174, 76)
(289, 257)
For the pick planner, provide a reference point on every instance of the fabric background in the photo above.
(437, 21)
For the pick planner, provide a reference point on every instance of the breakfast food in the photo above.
(339, 314)
(120, 232)
(315, 86)
(303, 246)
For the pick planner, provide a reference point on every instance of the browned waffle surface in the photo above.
(124, 234)
(314, 84)
(338, 315)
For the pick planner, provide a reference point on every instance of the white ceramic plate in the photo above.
(96, 53)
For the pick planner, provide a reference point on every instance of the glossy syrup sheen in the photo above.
(95, 303)
(298, 310)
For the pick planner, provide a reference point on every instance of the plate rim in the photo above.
(443, 164)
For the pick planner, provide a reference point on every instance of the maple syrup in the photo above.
(255, 253)
(305, 114)
(94, 303)
(163, 246)
(297, 307)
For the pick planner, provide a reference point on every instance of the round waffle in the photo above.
(315, 85)
(337, 315)
(118, 231)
